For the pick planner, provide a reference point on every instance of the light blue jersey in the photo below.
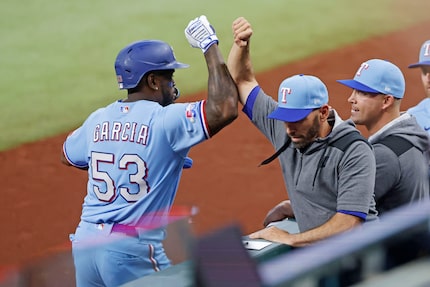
(134, 152)
(422, 114)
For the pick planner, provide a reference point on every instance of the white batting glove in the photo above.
(200, 33)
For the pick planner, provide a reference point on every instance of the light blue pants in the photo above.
(105, 258)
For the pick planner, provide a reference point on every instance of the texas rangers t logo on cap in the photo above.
(427, 49)
(284, 92)
(364, 66)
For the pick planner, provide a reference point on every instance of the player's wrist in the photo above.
(208, 42)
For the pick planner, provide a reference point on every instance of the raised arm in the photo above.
(239, 59)
(221, 104)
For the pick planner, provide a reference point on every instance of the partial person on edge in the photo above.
(399, 143)
(330, 190)
(422, 111)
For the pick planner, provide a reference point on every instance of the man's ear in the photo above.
(324, 112)
(388, 101)
(151, 81)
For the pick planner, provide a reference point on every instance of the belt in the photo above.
(124, 229)
(156, 234)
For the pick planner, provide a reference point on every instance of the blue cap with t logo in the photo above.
(298, 96)
(378, 76)
(424, 57)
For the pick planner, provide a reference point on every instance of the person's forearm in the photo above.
(337, 224)
(240, 66)
(222, 99)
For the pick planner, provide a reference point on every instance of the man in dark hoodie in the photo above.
(330, 189)
(399, 142)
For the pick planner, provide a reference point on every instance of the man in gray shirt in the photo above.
(399, 142)
(330, 189)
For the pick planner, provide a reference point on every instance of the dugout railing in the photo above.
(395, 245)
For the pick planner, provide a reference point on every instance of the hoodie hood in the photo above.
(406, 127)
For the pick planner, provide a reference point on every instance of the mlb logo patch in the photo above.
(125, 109)
(190, 112)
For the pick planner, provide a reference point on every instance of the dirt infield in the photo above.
(41, 199)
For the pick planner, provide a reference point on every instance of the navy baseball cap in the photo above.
(424, 58)
(298, 96)
(378, 76)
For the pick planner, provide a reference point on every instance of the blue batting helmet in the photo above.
(138, 58)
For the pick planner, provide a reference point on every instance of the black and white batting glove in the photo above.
(200, 33)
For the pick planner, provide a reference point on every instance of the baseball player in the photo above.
(135, 149)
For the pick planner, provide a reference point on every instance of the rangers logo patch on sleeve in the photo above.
(190, 112)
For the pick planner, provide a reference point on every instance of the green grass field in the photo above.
(57, 56)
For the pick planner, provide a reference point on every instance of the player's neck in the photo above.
(137, 96)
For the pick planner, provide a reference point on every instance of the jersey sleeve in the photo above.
(421, 112)
(75, 148)
(258, 106)
(185, 125)
(356, 178)
(250, 101)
